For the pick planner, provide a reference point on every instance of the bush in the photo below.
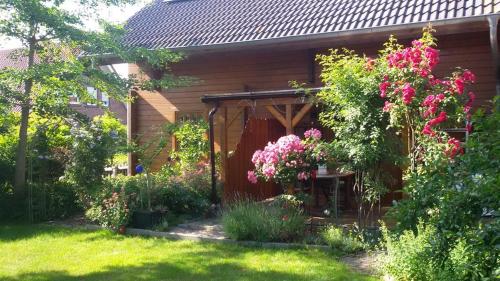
(340, 240)
(112, 212)
(418, 256)
(254, 221)
(51, 201)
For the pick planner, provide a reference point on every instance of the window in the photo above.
(93, 93)
(187, 116)
(73, 99)
(105, 99)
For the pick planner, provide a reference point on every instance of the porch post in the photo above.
(223, 143)
(211, 114)
(289, 125)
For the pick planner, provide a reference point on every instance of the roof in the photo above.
(197, 23)
(12, 58)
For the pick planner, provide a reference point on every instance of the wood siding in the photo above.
(273, 68)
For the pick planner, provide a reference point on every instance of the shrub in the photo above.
(55, 200)
(113, 212)
(340, 240)
(419, 256)
(254, 221)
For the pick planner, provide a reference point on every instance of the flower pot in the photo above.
(122, 229)
(290, 189)
(146, 219)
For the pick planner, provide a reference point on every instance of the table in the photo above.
(335, 178)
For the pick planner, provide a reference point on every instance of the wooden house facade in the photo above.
(244, 54)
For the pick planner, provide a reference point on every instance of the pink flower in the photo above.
(459, 85)
(383, 88)
(432, 56)
(408, 93)
(440, 119)
(428, 130)
(256, 156)
(468, 76)
(428, 100)
(252, 177)
(313, 133)
(454, 148)
(269, 170)
(387, 106)
(440, 97)
(303, 176)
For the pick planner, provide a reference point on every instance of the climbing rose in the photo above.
(408, 93)
(468, 76)
(454, 148)
(383, 89)
(387, 106)
(428, 130)
(459, 85)
(440, 119)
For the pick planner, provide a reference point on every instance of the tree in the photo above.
(362, 142)
(53, 40)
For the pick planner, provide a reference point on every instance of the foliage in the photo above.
(352, 110)
(93, 146)
(454, 200)
(102, 255)
(289, 159)
(254, 221)
(192, 143)
(55, 200)
(8, 142)
(112, 212)
(181, 196)
(420, 102)
(340, 240)
(418, 256)
(53, 37)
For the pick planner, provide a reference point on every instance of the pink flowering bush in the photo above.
(419, 101)
(289, 159)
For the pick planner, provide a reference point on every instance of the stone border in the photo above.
(182, 236)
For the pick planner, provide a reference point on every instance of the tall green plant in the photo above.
(352, 109)
(53, 37)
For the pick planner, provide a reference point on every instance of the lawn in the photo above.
(53, 253)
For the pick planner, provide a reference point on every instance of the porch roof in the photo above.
(259, 95)
(179, 24)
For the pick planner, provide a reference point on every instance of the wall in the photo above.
(273, 68)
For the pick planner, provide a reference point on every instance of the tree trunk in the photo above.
(20, 173)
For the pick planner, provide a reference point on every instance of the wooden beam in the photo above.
(289, 125)
(232, 119)
(276, 114)
(300, 115)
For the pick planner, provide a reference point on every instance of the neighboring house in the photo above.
(90, 110)
(245, 52)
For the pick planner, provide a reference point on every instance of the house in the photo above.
(244, 53)
(10, 58)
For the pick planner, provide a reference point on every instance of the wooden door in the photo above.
(257, 133)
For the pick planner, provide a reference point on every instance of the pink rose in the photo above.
(252, 177)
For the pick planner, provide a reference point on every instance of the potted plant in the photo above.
(288, 160)
(146, 216)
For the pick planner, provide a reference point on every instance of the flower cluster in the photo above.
(412, 91)
(288, 159)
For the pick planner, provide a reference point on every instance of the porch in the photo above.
(266, 116)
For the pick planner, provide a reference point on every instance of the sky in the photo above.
(113, 14)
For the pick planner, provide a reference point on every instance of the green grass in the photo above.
(36, 252)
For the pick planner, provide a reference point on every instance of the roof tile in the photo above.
(193, 23)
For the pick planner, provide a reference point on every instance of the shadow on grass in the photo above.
(166, 271)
